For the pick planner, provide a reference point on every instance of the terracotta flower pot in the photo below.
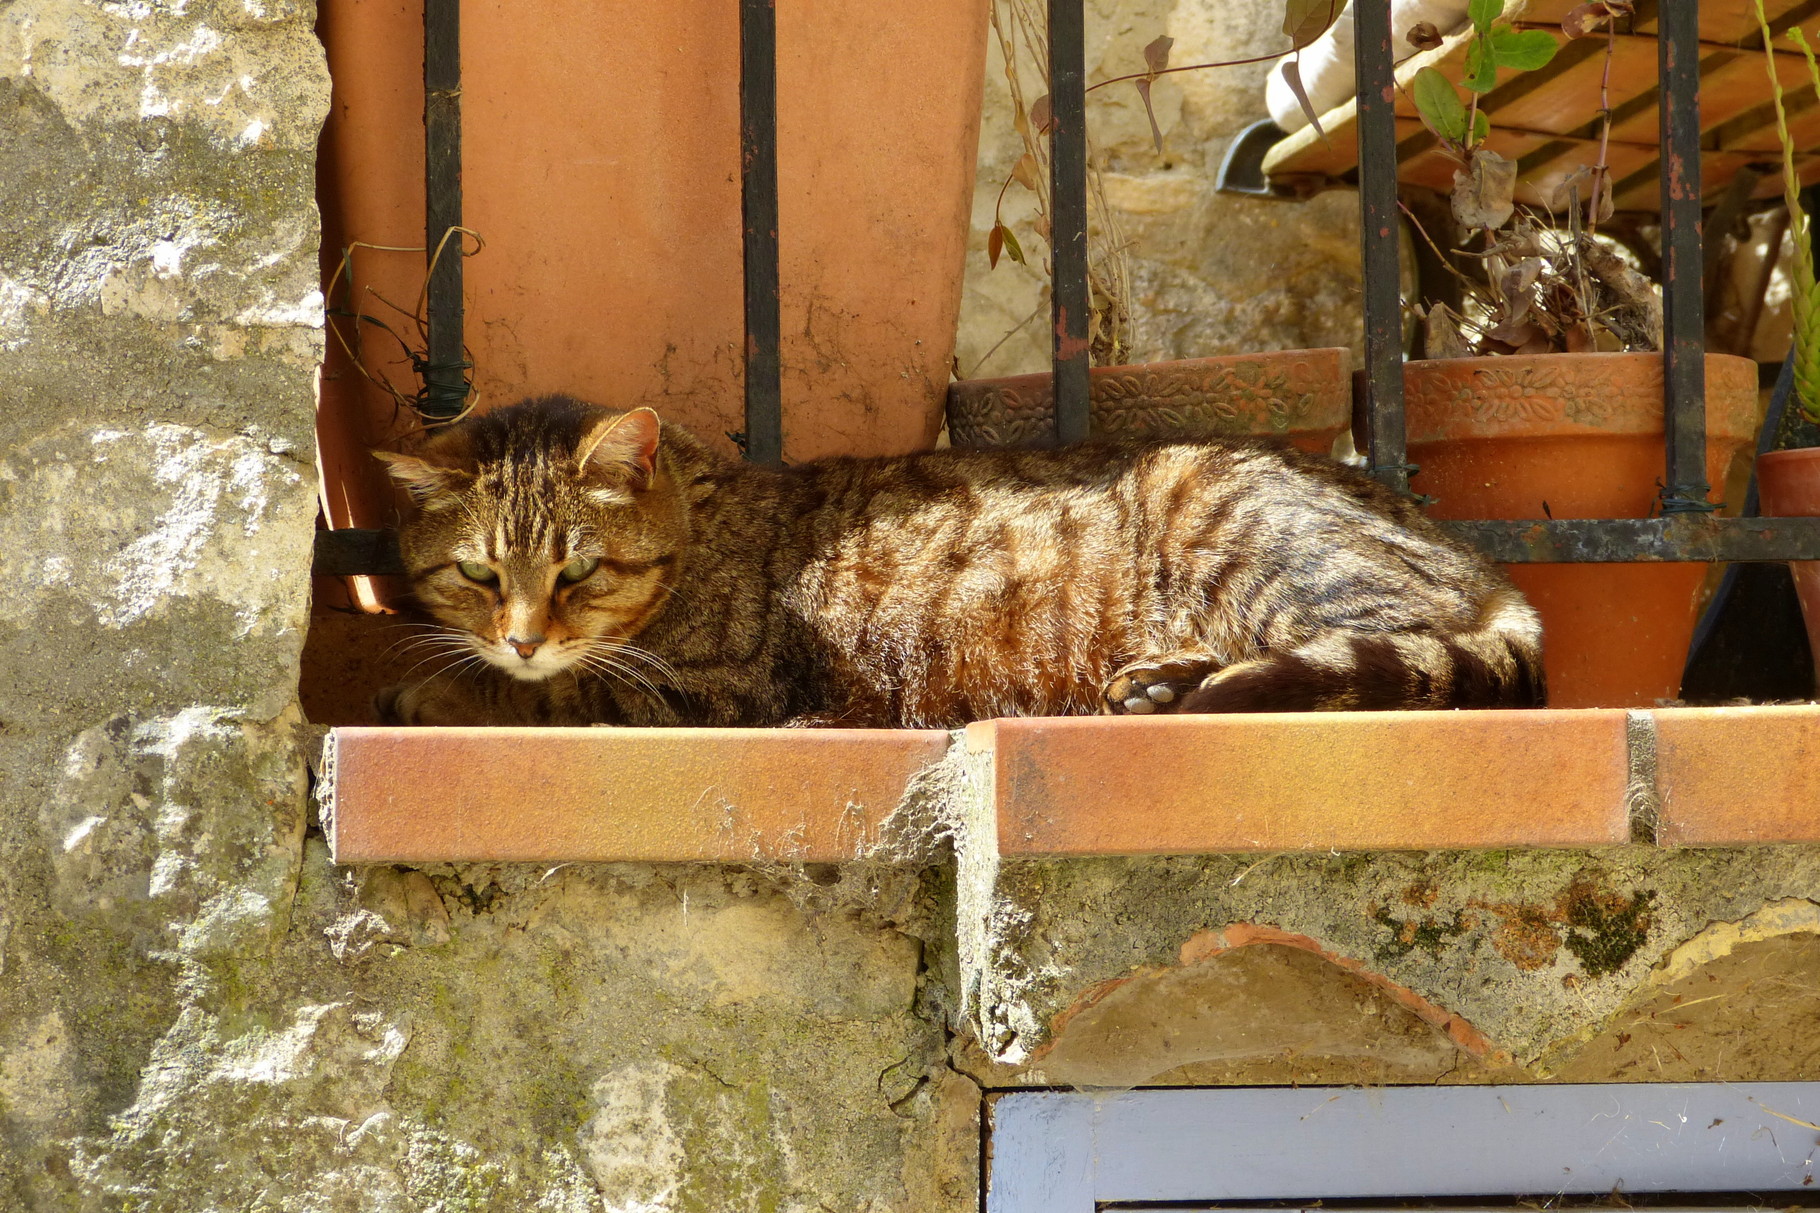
(1577, 436)
(600, 163)
(1303, 396)
(1788, 485)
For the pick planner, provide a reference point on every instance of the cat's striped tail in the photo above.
(1496, 663)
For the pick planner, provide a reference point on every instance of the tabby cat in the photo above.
(594, 566)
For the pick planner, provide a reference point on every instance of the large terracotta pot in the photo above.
(1788, 485)
(601, 165)
(1577, 436)
(1303, 396)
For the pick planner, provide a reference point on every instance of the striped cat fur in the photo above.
(585, 565)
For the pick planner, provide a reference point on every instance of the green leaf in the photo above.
(1013, 250)
(1484, 12)
(1524, 50)
(1481, 126)
(1481, 67)
(1439, 105)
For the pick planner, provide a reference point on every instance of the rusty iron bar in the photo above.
(1385, 447)
(1683, 298)
(764, 435)
(1677, 538)
(445, 365)
(356, 552)
(1069, 298)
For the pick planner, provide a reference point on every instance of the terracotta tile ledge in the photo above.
(1080, 786)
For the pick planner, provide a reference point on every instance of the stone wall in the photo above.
(197, 1009)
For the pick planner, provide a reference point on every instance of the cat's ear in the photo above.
(621, 450)
(423, 480)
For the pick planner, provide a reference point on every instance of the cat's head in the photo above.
(548, 532)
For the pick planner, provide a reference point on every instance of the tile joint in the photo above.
(1642, 795)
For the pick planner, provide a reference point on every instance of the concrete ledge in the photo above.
(1307, 781)
(548, 795)
(1077, 786)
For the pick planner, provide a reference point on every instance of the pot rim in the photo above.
(1621, 397)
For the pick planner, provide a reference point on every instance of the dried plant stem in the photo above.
(1022, 29)
(1601, 170)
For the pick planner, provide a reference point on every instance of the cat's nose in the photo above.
(525, 646)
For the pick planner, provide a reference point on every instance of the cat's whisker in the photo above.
(433, 643)
(610, 663)
(444, 655)
(623, 648)
(603, 663)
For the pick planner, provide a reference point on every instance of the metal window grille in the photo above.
(1685, 531)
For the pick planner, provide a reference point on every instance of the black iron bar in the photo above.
(1683, 304)
(445, 368)
(758, 197)
(1678, 538)
(354, 552)
(1377, 127)
(1069, 299)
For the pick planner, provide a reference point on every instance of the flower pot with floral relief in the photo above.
(1577, 436)
(1301, 396)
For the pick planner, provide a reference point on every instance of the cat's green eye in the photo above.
(578, 568)
(473, 570)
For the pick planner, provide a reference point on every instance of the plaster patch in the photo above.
(628, 1145)
(16, 299)
(36, 1073)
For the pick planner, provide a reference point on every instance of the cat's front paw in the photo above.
(427, 704)
(1157, 685)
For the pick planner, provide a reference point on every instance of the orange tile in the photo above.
(1340, 780)
(1738, 775)
(720, 795)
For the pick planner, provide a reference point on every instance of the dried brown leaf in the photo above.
(1292, 76)
(1306, 20)
(1483, 192)
(1041, 117)
(1568, 191)
(1514, 333)
(1583, 19)
(1156, 55)
(1516, 281)
(1423, 36)
(1024, 171)
(1628, 305)
(995, 244)
(1156, 133)
(1441, 334)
